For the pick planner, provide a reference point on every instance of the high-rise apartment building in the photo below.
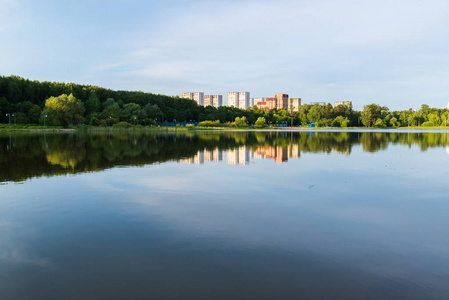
(347, 103)
(207, 100)
(271, 102)
(261, 104)
(233, 99)
(294, 104)
(238, 99)
(281, 101)
(243, 100)
(254, 101)
(217, 100)
(197, 96)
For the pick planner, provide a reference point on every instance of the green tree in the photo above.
(303, 113)
(33, 113)
(5, 107)
(434, 119)
(445, 118)
(394, 122)
(154, 112)
(93, 104)
(379, 123)
(370, 114)
(314, 113)
(111, 113)
(240, 122)
(63, 110)
(260, 123)
(133, 112)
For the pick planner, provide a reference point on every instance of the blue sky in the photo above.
(393, 53)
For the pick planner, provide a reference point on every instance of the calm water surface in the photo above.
(231, 215)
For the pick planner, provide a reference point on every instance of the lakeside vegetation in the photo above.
(24, 102)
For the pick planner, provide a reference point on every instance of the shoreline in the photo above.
(174, 128)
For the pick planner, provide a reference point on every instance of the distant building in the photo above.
(197, 96)
(254, 101)
(294, 104)
(233, 99)
(217, 101)
(281, 101)
(207, 100)
(243, 100)
(271, 103)
(347, 103)
(238, 99)
(261, 105)
(317, 103)
(213, 100)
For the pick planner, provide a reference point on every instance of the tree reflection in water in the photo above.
(24, 156)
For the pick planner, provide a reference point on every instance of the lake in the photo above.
(225, 215)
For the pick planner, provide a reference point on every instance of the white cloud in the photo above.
(310, 49)
(382, 51)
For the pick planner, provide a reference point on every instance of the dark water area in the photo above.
(225, 215)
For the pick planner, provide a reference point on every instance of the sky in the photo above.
(393, 53)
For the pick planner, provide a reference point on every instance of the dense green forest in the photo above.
(24, 101)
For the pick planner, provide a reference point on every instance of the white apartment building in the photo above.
(207, 100)
(233, 99)
(212, 100)
(197, 96)
(238, 99)
(347, 103)
(253, 101)
(294, 104)
(243, 100)
(217, 101)
(317, 103)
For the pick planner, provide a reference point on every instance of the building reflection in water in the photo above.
(241, 155)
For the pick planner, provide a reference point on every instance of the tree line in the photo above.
(27, 101)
